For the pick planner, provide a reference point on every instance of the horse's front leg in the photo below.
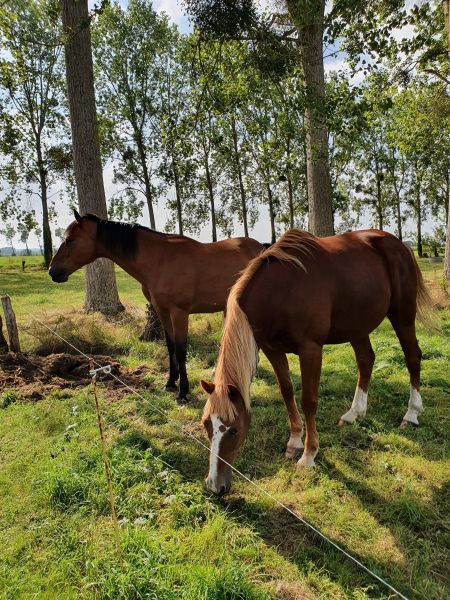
(164, 317)
(180, 320)
(311, 365)
(280, 365)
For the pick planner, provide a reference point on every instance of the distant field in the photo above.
(382, 493)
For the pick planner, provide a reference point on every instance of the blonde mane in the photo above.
(238, 355)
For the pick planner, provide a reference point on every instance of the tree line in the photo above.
(234, 118)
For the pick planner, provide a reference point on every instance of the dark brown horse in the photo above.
(178, 275)
(302, 293)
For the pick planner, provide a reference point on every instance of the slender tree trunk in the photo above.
(271, 213)
(289, 182)
(46, 232)
(176, 177)
(291, 201)
(240, 178)
(101, 289)
(446, 5)
(308, 18)
(398, 217)
(211, 199)
(148, 187)
(419, 220)
(379, 199)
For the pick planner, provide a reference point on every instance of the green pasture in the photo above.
(380, 492)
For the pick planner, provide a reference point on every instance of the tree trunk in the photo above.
(447, 237)
(178, 196)
(46, 232)
(399, 218)
(379, 200)
(419, 221)
(211, 201)
(239, 171)
(308, 18)
(153, 330)
(101, 288)
(289, 182)
(271, 214)
(446, 4)
(148, 187)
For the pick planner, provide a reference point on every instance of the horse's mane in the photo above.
(119, 237)
(238, 355)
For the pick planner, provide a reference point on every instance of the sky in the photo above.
(261, 231)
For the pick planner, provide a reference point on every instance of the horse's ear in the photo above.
(208, 386)
(77, 216)
(233, 392)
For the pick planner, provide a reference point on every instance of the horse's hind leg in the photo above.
(413, 355)
(310, 364)
(280, 365)
(364, 357)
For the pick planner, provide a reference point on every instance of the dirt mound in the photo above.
(34, 376)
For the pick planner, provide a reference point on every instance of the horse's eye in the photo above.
(233, 431)
(68, 242)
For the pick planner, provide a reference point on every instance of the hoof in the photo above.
(404, 424)
(182, 401)
(171, 387)
(292, 452)
(342, 423)
(306, 461)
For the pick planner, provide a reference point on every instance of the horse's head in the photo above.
(78, 249)
(227, 428)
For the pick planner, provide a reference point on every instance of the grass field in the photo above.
(382, 493)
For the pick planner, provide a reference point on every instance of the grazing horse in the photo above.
(301, 293)
(178, 275)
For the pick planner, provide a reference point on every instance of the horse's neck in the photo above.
(146, 263)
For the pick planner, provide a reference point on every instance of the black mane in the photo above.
(118, 237)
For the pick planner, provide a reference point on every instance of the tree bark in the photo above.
(308, 18)
(101, 288)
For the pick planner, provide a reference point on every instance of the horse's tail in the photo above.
(426, 313)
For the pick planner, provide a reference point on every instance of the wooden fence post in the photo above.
(3, 342)
(11, 324)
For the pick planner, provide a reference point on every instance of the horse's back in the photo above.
(344, 291)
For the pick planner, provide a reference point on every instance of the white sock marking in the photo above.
(358, 407)
(295, 441)
(415, 407)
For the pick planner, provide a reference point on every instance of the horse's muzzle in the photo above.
(58, 275)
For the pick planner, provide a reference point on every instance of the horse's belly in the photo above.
(357, 320)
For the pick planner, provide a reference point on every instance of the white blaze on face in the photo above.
(219, 430)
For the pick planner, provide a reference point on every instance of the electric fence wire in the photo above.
(239, 473)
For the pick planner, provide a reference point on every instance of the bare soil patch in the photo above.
(34, 376)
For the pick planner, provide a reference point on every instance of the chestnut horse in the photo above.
(178, 275)
(301, 293)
